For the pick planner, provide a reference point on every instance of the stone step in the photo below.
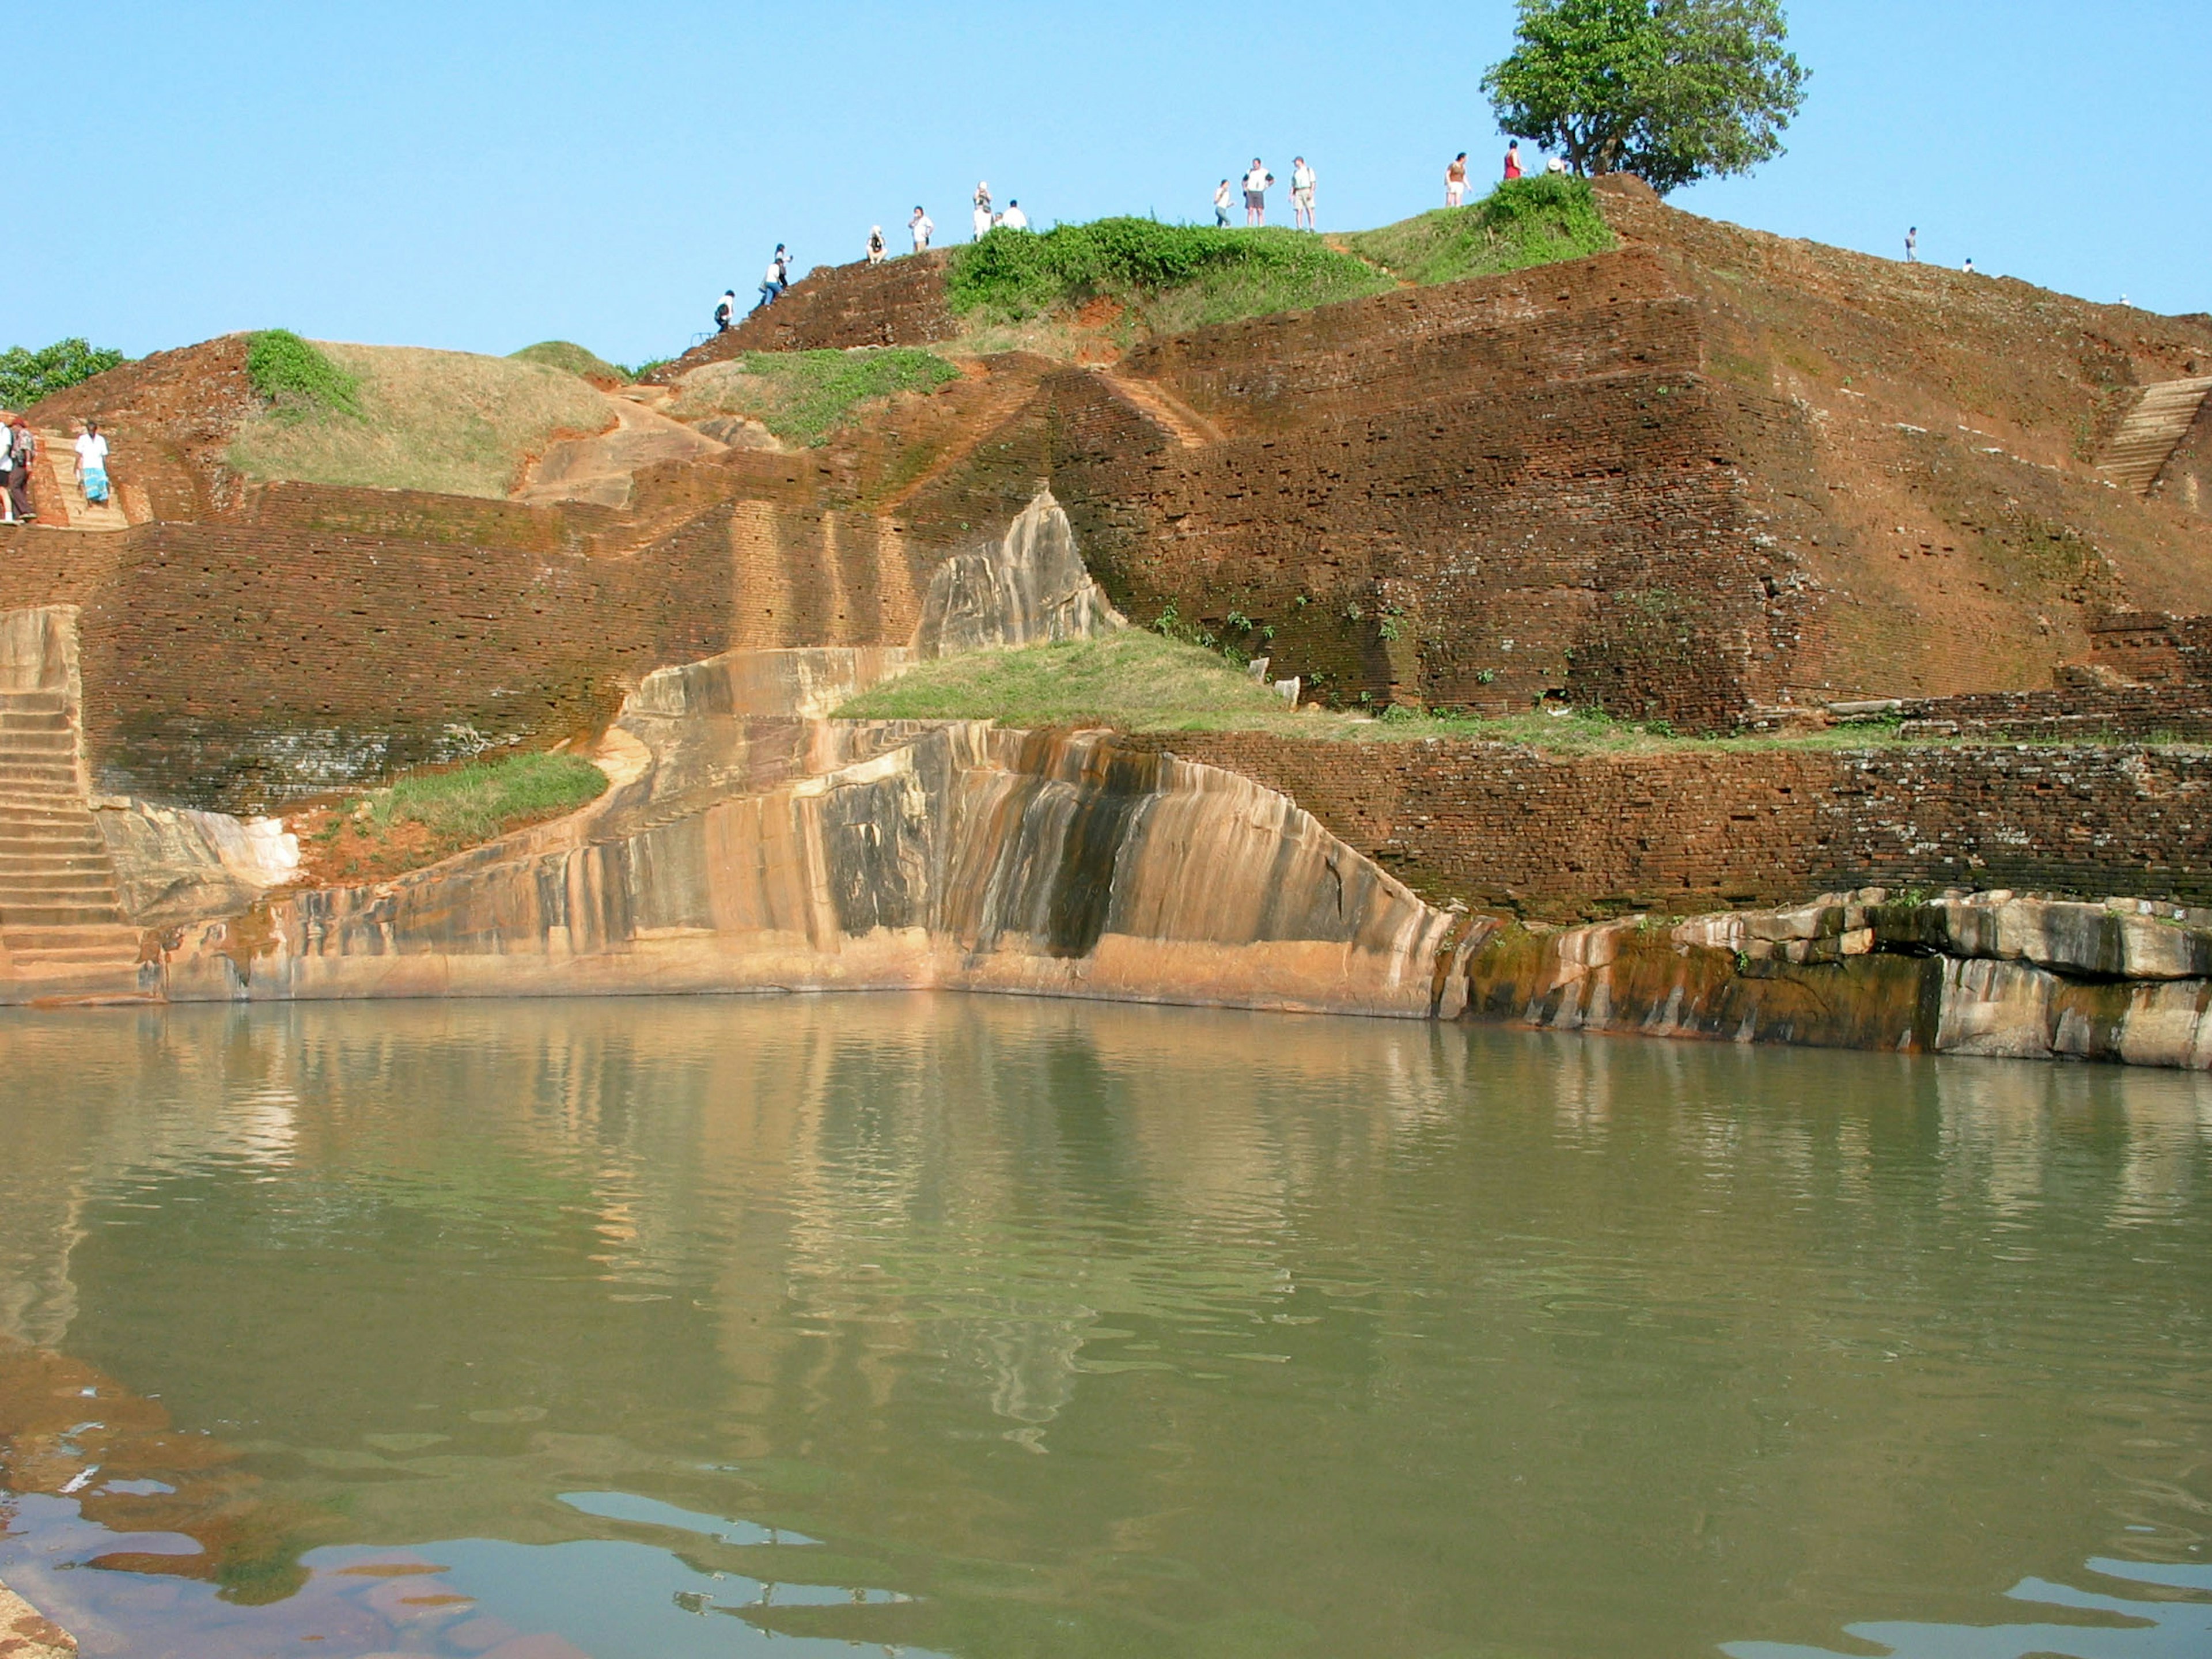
(63, 761)
(32, 719)
(75, 833)
(51, 702)
(32, 917)
(100, 936)
(71, 889)
(48, 741)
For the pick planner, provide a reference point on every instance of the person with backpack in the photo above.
(91, 465)
(984, 220)
(1255, 194)
(878, 250)
(726, 312)
(22, 449)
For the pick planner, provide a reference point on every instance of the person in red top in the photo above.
(1513, 159)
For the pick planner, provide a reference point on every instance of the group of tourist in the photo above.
(1256, 183)
(19, 448)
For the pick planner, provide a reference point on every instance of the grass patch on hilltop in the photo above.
(1523, 222)
(802, 397)
(296, 378)
(420, 819)
(571, 359)
(447, 422)
(1173, 276)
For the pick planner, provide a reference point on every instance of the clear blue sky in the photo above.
(482, 175)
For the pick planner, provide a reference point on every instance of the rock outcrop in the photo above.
(1027, 589)
(1987, 973)
(751, 851)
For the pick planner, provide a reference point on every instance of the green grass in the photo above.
(571, 359)
(1204, 275)
(297, 379)
(447, 422)
(802, 397)
(1138, 680)
(1527, 221)
(1173, 277)
(477, 802)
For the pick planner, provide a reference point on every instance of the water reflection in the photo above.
(1015, 1327)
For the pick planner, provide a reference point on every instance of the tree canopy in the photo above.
(1673, 90)
(26, 375)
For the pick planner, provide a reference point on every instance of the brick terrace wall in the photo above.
(1552, 837)
(2186, 480)
(237, 666)
(900, 302)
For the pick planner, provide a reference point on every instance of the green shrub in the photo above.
(295, 378)
(1523, 222)
(803, 395)
(1013, 275)
(26, 376)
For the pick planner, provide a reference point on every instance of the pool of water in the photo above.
(993, 1327)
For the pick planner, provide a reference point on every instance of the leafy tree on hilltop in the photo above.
(25, 376)
(1673, 90)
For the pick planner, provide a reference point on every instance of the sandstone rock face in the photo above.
(1031, 588)
(767, 851)
(175, 865)
(1985, 974)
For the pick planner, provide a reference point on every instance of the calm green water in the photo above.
(982, 1327)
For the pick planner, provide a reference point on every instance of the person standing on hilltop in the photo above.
(983, 220)
(1301, 193)
(1913, 246)
(922, 228)
(1456, 181)
(1255, 194)
(1221, 198)
(878, 249)
(1013, 218)
(91, 465)
(1513, 159)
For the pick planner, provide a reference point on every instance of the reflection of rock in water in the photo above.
(67, 1430)
(1027, 1352)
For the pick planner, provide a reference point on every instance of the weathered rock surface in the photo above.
(1984, 974)
(173, 865)
(759, 851)
(1030, 588)
(26, 1633)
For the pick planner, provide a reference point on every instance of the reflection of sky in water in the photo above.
(2153, 1630)
(456, 1599)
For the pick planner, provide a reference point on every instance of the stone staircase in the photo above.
(64, 934)
(2136, 453)
(61, 505)
(1190, 429)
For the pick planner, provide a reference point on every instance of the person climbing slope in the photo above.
(726, 311)
(1222, 198)
(776, 279)
(22, 449)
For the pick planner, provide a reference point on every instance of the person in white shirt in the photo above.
(1301, 193)
(1013, 218)
(776, 279)
(922, 227)
(7, 467)
(92, 463)
(726, 312)
(1255, 194)
(983, 220)
(1556, 164)
(877, 248)
(1221, 198)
